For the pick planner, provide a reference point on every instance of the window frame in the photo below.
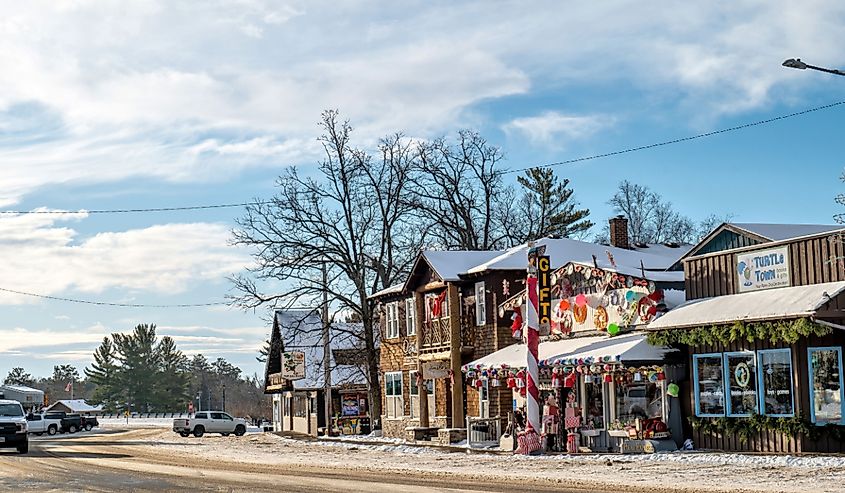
(390, 397)
(410, 317)
(484, 404)
(696, 388)
(480, 304)
(812, 388)
(761, 405)
(727, 384)
(392, 325)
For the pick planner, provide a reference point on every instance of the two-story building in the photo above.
(763, 336)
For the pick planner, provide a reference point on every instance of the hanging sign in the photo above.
(435, 369)
(293, 365)
(544, 294)
(763, 269)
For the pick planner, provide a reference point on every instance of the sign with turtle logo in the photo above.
(763, 269)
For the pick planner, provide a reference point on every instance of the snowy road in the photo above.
(159, 460)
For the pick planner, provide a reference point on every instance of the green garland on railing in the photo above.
(744, 428)
(788, 331)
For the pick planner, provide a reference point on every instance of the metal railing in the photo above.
(484, 432)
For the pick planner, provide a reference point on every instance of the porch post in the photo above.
(419, 304)
(455, 356)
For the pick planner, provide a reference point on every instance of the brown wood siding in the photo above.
(811, 261)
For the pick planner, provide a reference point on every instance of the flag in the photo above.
(68, 387)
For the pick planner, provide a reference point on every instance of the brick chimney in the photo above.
(619, 232)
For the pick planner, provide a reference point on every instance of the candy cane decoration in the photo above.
(532, 394)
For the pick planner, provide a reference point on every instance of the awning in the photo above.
(619, 349)
(770, 304)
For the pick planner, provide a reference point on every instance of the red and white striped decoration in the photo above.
(532, 395)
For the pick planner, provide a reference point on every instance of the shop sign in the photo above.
(435, 369)
(544, 294)
(763, 269)
(276, 382)
(293, 365)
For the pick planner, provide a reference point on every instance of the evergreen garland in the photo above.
(744, 428)
(787, 331)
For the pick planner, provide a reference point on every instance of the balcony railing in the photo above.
(437, 334)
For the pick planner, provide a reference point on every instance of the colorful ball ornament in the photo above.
(672, 390)
(613, 329)
(581, 300)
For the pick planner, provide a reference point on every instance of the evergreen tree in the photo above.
(18, 376)
(104, 374)
(172, 384)
(547, 208)
(139, 362)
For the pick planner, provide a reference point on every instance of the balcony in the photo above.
(436, 335)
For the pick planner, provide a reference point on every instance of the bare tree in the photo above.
(459, 189)
(352, 216)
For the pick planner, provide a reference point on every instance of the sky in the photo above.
(160, 103)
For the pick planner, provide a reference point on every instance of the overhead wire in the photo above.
(123, 211)
(106, 303)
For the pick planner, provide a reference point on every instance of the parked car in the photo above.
(209, 422)
(13, 429)
(89, 422)
(43, 423)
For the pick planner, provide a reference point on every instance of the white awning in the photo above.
(770, 304)
(619, 349)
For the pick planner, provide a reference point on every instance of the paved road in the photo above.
(125, 461)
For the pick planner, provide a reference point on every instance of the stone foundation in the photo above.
(448, 436)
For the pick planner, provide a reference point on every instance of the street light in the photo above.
(797, 63)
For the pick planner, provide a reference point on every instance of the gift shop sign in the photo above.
(293, 365)
(544, 294)
(763, 269)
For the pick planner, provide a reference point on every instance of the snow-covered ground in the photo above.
(134, 423)
(676, 471)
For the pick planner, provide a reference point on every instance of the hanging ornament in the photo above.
(569, 380)
(638, 377)
(608, 378)
(520, 379)
(506, 287)
(672, 390)
(555, 379)
(494, 382)
(511, 382)
(516, 327)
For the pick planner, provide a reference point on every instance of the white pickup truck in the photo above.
(44, 423)
(13, 426)
(209, 422)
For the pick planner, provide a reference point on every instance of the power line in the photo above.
(106, 303)
(154, 209)
(682, 139)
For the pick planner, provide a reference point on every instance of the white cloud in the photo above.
(161, 259)
(556, 129)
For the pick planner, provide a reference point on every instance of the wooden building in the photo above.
(763, 334)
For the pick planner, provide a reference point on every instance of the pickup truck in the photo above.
(13, 426)
(209, 422)
(43, 423)
(68, 423)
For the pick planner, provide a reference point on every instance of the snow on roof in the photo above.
(618, 349)
(564, 250)
(670, 252)
(76, 405)
(302, 330)
(449, 264)
(395, 289)
(779, 232)
(20, 388)
(770, 304)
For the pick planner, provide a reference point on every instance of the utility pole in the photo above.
(327, 371)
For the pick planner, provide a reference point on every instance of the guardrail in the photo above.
(484, 432)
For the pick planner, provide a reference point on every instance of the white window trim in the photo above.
(411, 317)
(480, 304)
(394, 402)
(392, 311)
(484, 403)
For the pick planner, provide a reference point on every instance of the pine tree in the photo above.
(104, 374)
(139, 362)
(547, 208)
(171, 390)
(18, 376)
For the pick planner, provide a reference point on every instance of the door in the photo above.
(218, 423)
(35, 423)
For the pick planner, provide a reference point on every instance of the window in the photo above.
(709, 385)
(392, 312)
(594, 405)
(277, 411)
(288, 406)
(775, 372)
(825, 385)
(217, 416)
(395, 407)
(436, 305)
(638, 400)
(200, 416)
(300, 406)
(410, 317)
(480, 304)
(484, 400)
(740, 372)
(415, 395)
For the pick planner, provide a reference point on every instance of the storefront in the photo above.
(608, 386)
(763, 337)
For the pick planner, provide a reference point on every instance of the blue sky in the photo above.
(115, 104)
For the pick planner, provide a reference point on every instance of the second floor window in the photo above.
(410, 317)
(436, 306)
(392, 325)
(480, 304)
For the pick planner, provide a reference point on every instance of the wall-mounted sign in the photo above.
(293, 365)
(435, 369)
(763, 269)
(544, 294)
(275, 383)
